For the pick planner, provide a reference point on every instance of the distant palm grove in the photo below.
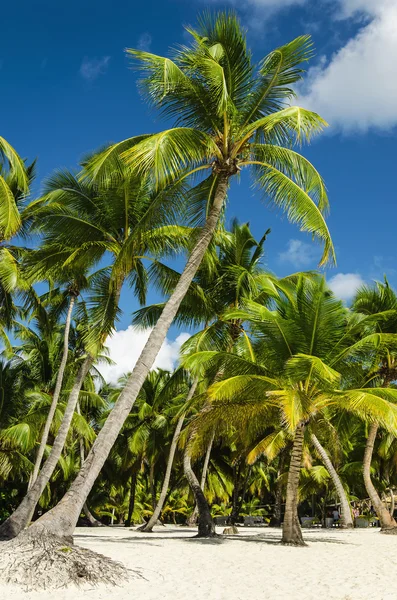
(283, 406)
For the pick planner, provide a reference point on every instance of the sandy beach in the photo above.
(171, 565)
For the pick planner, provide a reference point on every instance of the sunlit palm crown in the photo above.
(229, 114)
(305, 353)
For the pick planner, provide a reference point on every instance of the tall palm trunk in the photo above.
(57, 391)
(292, 533)
(61, 520)
(131, 504)
(152, 486)
(163, 494)
(275, 520)
(346, 515)
(193, 517)
(206, 526)
(22, 515)
(392, 502)
(387, 521)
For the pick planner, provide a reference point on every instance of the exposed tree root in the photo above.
(39, 560)
(389, 530)
(232, 530)
(297, 544)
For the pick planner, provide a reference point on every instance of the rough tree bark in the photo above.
(346, 515)
(275, 520)
(387, 522)
(206, 526)
(61, 520)
(21, 517)
(192, 520)
(292, 533)
(57, 392)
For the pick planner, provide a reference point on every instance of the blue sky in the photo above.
(66, 89)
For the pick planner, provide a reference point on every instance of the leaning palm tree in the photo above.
(222, 282)
(82, 223)
(231, 115)
(305, 351)
(379, 298)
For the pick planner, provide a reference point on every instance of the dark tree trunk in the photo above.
(206, 526)
(152, 486)
(131, 504)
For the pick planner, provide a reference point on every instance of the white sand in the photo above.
(337, 565)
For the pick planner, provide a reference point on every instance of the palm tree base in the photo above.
(389, 530)
(298, 543)
(10, 529)
(37, 560)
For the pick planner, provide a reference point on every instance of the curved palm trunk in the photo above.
(21, 517)
(292, 533)
(387, 522)
(346, 515)
(193, 517)
(61, 520)
(55, 398)
(163, 494)
(206, 526)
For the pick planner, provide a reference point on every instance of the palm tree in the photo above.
(12, 172)
(293, 376)
(221, 282)
(15, 179)
(72, 292)
(82, 223)
(379, 298)
(230, 115)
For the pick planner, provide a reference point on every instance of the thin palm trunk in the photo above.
(163, 494)
(275, 520)
(392, 502)
(21, 517)
(292, 532)
(131, 504)
(206, 526)
(387, 521)
(346, 515)
(152, 486)
(61, 520)
(193, 517)
(55, 398)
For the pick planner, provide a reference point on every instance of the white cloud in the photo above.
(91, 68)
(144, 41)
(345, 285)
(357, 88)
(125, 347)
(299, 254)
